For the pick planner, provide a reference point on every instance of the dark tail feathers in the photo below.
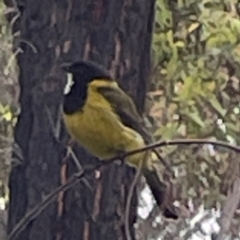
(158, 190)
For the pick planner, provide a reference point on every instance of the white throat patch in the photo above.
(69, 83)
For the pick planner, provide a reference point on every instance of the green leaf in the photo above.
(217, 106)
(195, 117)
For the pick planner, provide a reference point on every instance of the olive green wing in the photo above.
(125, 109)
(129, 116)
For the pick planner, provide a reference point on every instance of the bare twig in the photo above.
(77, 163)
(56, 128)
(196, 227)
(35, 212)
(129, 198)
(161, 144)
(32, 214)
(34, 49)
(130, 195)
(165, 164)
(75, 178)
(231, 204)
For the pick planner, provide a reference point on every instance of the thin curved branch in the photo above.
(161, 144)
(35, 212)
(75, 178)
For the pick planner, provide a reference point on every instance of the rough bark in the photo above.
(114, 33)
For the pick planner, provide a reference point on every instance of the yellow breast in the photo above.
(98, 129)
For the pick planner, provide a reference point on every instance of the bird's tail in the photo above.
(158, 190)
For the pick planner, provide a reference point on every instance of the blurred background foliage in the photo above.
(8, 101)
(194, 93)
(8, 110)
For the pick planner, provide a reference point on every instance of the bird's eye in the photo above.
(69, 83)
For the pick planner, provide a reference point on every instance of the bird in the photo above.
(104, 120)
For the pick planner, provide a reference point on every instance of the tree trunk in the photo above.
(114, 33)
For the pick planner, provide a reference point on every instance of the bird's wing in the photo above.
(125, 108)
(129, 116)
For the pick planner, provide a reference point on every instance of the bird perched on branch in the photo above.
(104, 120)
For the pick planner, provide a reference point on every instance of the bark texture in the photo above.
(114, 33)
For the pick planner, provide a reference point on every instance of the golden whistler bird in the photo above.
(104, 120)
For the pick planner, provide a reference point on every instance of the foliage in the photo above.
(8, 89)
(195, 93)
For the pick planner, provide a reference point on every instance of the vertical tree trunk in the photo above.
(114, 33)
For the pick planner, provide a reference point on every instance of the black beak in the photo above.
(65, 67)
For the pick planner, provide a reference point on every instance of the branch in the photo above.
(130, 195)
(161, 144)
(35, 212)
(75, 178)
(229, 209)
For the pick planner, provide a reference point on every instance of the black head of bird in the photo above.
(80, 74)
(85, 71)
